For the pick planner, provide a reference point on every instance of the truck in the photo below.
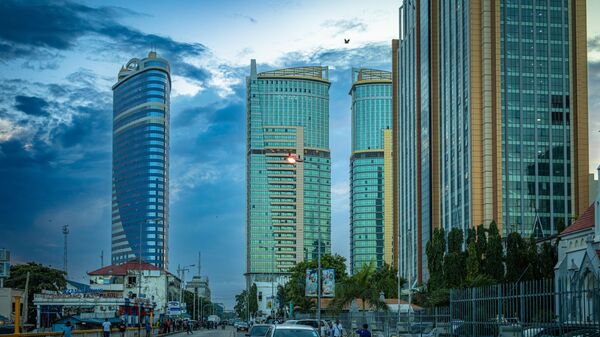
(214, 318)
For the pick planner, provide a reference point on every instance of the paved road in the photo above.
(228, 332)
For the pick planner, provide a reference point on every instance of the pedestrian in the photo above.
(364, 332)
(324, 329)
(337, 329)
(189, 328)
(106, 328)
(148, 328)
(122, 328)
(67, 329)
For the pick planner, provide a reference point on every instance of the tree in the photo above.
(386, 280)
(360, 285)
(548, 257)
(455, 260)
(435, 249)
(253, 299)
(472, 261)
(40, 278)
(516, 257)
(481, 245)
(241, 305)
(295, 287)
(493, 264)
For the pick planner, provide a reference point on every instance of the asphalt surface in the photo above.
(228, 332)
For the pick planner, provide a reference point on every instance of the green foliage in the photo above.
(40, 278)
(241, 305)
(294, 288)
(516, 257)
(548, 257)
(386, 281)
(472, 261)
(253, 299)
(361, 285)
(435, 250)
(455, 261)
(493, 264)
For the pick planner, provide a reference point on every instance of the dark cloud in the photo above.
(31, 28)
(372, 55)
(33, 106)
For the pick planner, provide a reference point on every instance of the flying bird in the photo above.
(346, 41)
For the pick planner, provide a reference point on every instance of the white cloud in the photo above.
(183, 86)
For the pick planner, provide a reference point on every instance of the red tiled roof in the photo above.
(122, 269)
(586, 220)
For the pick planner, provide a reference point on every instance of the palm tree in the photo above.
(361, 285)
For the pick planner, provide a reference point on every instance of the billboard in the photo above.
(311, 283)
(328, 289)
(327, 283)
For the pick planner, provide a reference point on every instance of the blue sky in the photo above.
(58, 61)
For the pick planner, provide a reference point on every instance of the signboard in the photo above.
(328, 289)
(311, 283)
(174, 308)
(4, 269)
(327, 283)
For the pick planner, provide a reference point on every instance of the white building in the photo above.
(577, 273)
(200, 286)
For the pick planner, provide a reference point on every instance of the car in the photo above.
(242, 326)
(291, 330)
(308, 322)
(259, 330)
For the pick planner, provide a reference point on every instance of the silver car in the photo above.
(291, 330)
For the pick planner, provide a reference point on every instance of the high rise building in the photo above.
(288, 205)
(492, 119)
(140, 180)
(371, 171)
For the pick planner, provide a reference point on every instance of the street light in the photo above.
(293, 158)
(272, 273)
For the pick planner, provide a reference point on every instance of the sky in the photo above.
(59, 59)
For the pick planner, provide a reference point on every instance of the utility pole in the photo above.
(101, 258)
(65, 231)
(319, 275)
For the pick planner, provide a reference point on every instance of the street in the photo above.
(228, 332)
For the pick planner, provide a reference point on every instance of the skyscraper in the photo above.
(371, 171)
(140, 180)
(288, 205)
(493, 114)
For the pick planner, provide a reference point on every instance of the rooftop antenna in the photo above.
(65, 231)
(199, 264)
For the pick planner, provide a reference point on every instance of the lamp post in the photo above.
(292, 159)
(272, 273)
(139, 281)
(181, 284)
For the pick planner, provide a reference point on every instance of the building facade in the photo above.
(496, 119)
(140, 180)
(288, 205)
(371, 171)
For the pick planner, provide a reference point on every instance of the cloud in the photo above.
(33, 106)
(345, 25)
(370, 54)
(247, 17)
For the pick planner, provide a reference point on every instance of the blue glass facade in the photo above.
(288, 205)
(141, 161)
(371, 116)
(536, 145)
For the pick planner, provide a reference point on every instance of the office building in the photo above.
(371, 171)
(492, 118)
(288, 204)
(140, 180)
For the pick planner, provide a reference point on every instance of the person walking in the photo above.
(189, 328)
(122, 329)
(148, 328)
(337, 329)
(364, 332)
(106, 328)
(66, 332)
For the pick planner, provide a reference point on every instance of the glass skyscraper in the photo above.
(140, 180)
(371, 194)
(497, 120)
(288, 205)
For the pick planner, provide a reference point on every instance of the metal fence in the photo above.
(551, 307)
(533, 308)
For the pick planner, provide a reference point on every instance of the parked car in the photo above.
(242, 326)
(308, 322)
(258, 330)
(291, 330)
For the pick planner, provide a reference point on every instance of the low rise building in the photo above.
(577, 273)
(200, 286)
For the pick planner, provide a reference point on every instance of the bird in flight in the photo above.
(346, 41)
